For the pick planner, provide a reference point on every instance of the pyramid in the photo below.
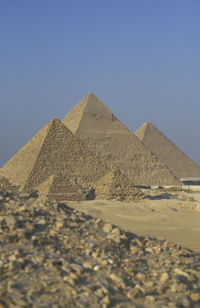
(53, 150)
(167, 152)
(115, 185)
(103, 133)
(59, 188)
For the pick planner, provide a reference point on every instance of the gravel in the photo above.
(54, 256)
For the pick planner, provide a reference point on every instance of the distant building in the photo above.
(190, 181)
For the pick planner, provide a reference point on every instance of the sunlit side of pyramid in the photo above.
(53, 150)
(167, 152)
(104, 134)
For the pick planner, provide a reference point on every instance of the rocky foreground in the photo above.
(54, 256)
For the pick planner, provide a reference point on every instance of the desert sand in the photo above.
(177, 220)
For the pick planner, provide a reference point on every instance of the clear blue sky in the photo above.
(140, 57)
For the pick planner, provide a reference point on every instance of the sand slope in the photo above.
(174, 219)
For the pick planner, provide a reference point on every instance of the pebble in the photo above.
(87, 265)
(195, 296)
(164, 277)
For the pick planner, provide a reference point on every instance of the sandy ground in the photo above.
(177, 219)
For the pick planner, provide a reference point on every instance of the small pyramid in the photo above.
(104, 134)
(115, 185)
(53, 150)
(167, 152)
(59, 188)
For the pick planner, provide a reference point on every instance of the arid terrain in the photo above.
(54, 256)
(173, 215)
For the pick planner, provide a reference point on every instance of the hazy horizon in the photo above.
(139, 57)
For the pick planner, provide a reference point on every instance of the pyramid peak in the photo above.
(90, 94)
(142, 130)
(92, 98)
(55, 121)
(95, 107)
(146, 124)
(90, 108)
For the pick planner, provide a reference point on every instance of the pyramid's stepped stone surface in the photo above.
(166, 151)
(59, 188)
(99, 129)
(115, 185)
(54, 150)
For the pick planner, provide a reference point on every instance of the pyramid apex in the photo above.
(90, 107)
(94, 106)
(141, 131)
(91, 94)
(145, 124)
(55, 121)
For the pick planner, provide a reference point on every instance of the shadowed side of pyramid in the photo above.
(55, 150)
(104, 134)
(167, 152)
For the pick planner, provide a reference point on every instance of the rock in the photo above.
(118, 280)
(84, 261)
(76, 267)
(87, 265)
(107, 227)
(135, 293)
(164, 277)
(195, 296)
(180, 272)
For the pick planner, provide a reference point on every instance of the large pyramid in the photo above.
(104, 134)
(53, 150)
(167, 152)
